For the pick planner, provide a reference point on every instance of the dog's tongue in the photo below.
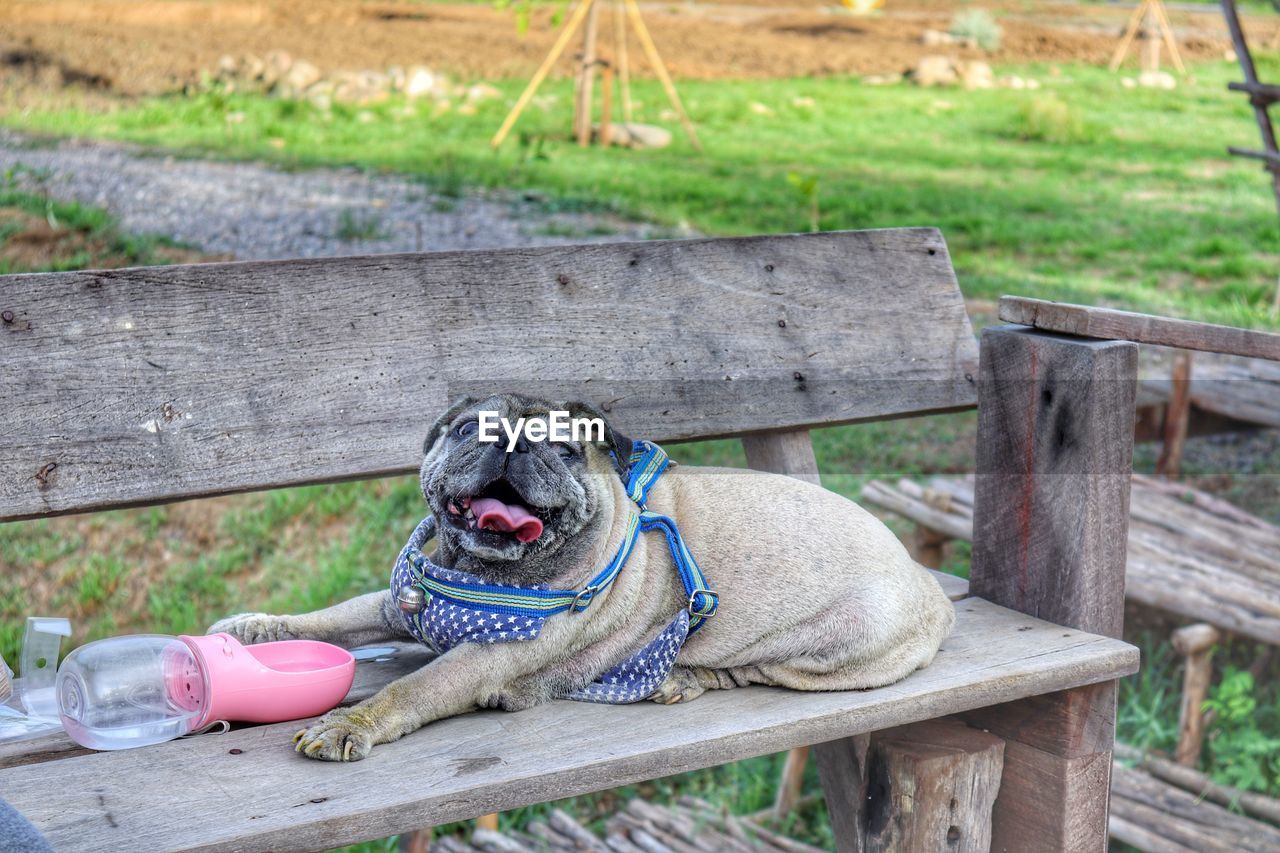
(493, 514)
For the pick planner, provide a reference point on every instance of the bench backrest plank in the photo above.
(128, 387)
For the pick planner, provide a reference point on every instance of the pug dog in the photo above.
(815, 593)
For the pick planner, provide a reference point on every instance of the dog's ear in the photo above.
(615, 442)
(440, 428)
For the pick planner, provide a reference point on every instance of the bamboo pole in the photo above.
(527, 95)
(624, 62)
(1131, 30)
(1166, 30)
(660, 68)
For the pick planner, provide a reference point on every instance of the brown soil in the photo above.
(144, 46)
(29, 242)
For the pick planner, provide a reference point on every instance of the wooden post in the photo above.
(791, 783)
(418, 841)
(544, 69)
(931, 787)
(1150, 45)
(1195, 643)
(1177, 416)
(1051, 515)
(927, 547)
(586, 78)
(791, 453)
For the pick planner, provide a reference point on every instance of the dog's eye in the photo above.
(467, 428)
(565, 451)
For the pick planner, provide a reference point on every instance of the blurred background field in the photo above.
(1072, 184)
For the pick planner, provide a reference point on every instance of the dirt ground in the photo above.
(135, 47)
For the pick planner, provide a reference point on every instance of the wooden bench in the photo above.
(133, 387)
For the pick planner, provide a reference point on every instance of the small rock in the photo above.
(760, 109)
(1013, 81)
(420, 82)
(937, 38)
(1229, 55)
(251, 67)
(227, 67)
(804, 103)
(634, 135)
(934, 71)
(300, 76)
(1157, 80)
(275, 65)
(976, 74)
(483, 92)
(366, 117)
(1128, 82)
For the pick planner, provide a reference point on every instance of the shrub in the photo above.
(977, 24)
(1048, 118)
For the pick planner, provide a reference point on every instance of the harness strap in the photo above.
(646, 464)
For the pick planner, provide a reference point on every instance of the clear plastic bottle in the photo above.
(130, 691)
(143, 689)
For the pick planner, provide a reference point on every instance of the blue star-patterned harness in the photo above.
(461, 608)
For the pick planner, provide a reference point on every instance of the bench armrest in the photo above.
(1109, 324)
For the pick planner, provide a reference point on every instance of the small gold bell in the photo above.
(411, 599)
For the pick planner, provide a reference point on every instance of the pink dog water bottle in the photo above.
(137, 690)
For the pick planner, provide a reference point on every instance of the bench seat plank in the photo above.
(196, 794)
(133, 387)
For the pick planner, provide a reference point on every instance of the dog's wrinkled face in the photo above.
(521, 516)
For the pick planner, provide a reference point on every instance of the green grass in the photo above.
(93, 235)
(1081, 191)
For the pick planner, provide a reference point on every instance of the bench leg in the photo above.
(1051, 515)
(924, 786)
(842, 766)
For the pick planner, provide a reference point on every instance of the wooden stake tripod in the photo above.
(586, 11)
(1155, 12)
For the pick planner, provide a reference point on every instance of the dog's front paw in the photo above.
(335, 737)
(681, 685)
(251, 628)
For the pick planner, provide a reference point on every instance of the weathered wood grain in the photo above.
(1226, 392)
(1114, 325)
(1051, 511)
(1224, 563)
(1181, 820)
(127, 387)
(196, 794)
(1195, 644)
(1253, 804)
(932, 786)
(1055, 451)
(842, 767)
